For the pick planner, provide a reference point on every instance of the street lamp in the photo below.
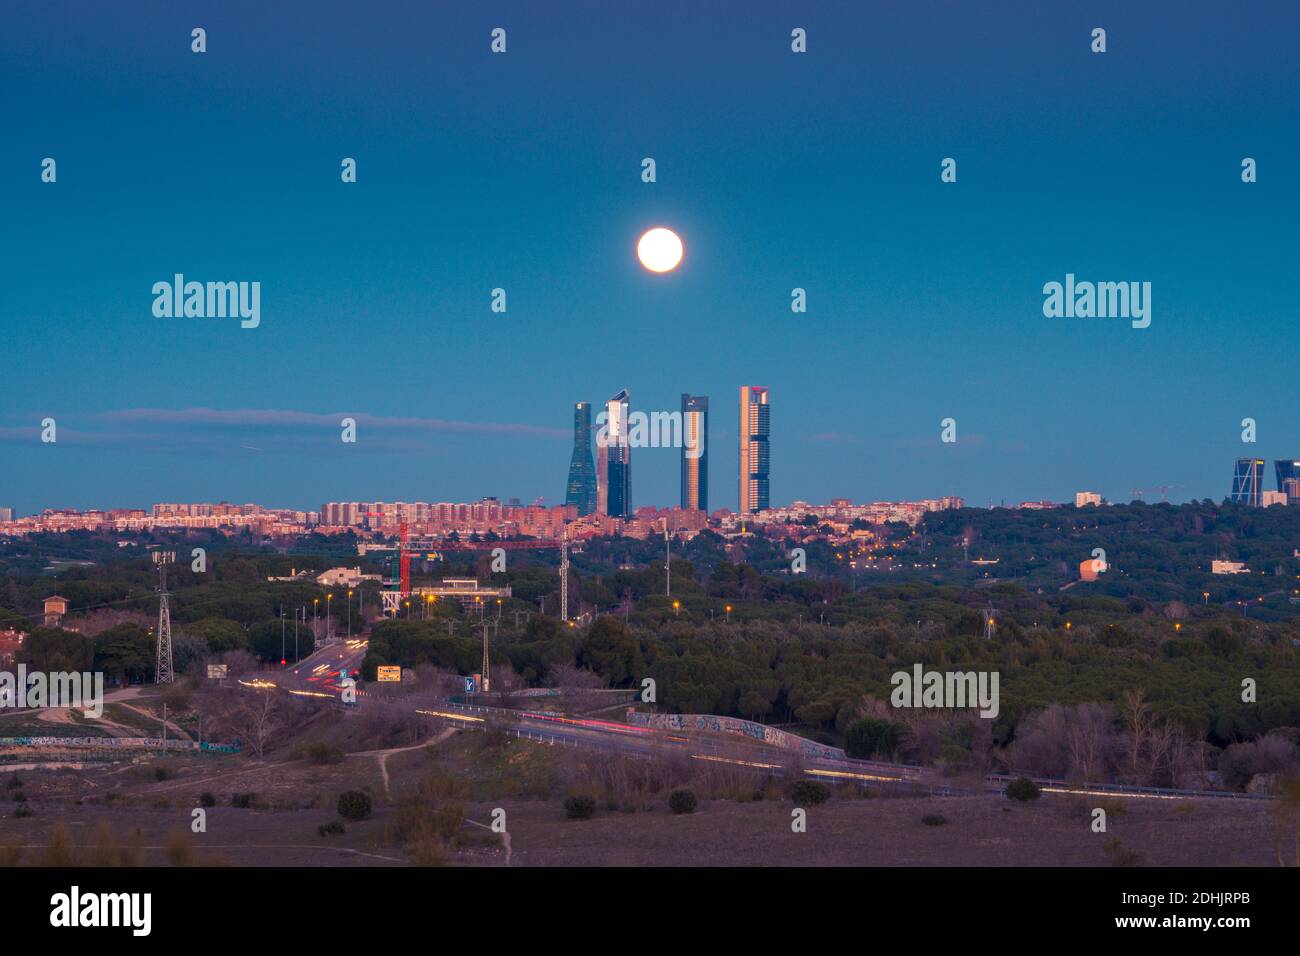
(728, 609)
(349, 615)
(314, 603)
(677, 607)
(329, 615)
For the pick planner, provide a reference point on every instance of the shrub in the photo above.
(810, 792)
(870, 737)
(354, 805)
(13, 782)
(682, 800)
(206, 799)
(333, 828)
(1120, 855)
(323, 753)
(242, 800)
(160, 773)
(579, 807)
(180, 849)
(20, 797)
(1023, 789)
(934, 819)
(23, 810)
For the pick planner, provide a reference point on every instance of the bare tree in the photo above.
(1138, 719)
(579, 689)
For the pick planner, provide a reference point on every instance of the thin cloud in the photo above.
(281, 418)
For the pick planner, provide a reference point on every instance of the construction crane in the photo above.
(1137, 493)
(404, 559)
(403, 552)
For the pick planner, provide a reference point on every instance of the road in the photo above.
(318, 675)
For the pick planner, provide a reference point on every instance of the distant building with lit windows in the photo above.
(581, 489)
(755, 452)
(618, 457)
(1248, 482)
(695, 452)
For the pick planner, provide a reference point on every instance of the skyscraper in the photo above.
(755, 427)
(695, 452)
(1248, 482)
(581, 490)
(618, 455)
(1288, 469)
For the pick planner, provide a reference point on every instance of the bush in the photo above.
(160, 773)
(333, 828)
(13, 782)
(934, 819)
(810, 792)
(870, 737)
(206, 799)
(23, 810)
(323, 753)
(242, 801)
(1023, 789)
(20, 797)
(682, 800)
(579, 808)
(354, 805)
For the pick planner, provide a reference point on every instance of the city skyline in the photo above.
(924, 298)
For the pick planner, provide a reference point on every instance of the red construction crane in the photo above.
(403, 551)
(404, 561)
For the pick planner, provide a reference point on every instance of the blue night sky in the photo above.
(523, 171)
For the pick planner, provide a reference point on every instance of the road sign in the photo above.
(217, 671)
(469, 686)
(389, 674)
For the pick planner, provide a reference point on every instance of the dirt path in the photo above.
(383, 755)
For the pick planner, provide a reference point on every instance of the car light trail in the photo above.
(852, 776)
(449, 716)
(739, 763)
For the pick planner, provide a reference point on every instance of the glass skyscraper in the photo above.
(755, 457)
(695, 452)
(581, 490)
(1288, 470)
(618, 458)
(1248, 482)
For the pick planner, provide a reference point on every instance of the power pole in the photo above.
(486, 686)
(564, 574)
(163, 668)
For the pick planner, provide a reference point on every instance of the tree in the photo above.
(125, 652)
(51, 649)
(871, 737)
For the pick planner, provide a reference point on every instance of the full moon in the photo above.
(660, 250)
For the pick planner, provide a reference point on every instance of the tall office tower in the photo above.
(602, 478)
(1288, 469)
(618, 453)
(1248, 482)
(582, 473)
(695, 452)
(755, 428)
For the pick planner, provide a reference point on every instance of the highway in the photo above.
(319, 674)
